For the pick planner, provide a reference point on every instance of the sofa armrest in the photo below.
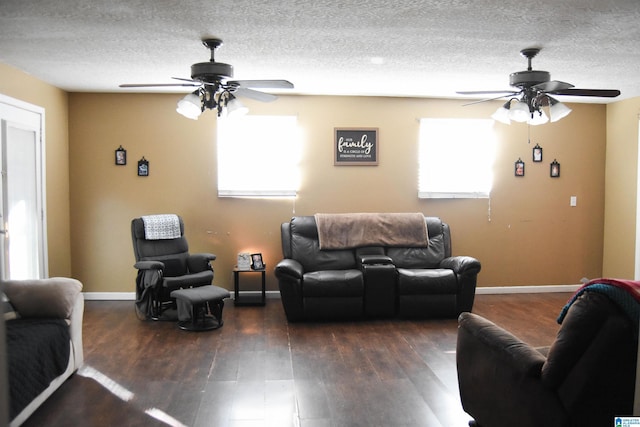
(75, 328)
(489, 342)
(290, 274)
(200, 262)
(289, 268)
(149, 265)
(461, 264)
(466, 269)
(53, 297)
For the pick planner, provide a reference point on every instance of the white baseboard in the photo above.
(109, 296)
(486, 290)
(493, 290)
(131, 296)
(268, 294)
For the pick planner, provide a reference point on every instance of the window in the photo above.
(258, 156)
(455, 158)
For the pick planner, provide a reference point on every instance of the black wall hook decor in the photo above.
(554, 169)
(537, 153)
(519, 167)
(143, 167)
(121, 156)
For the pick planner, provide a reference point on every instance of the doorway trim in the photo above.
(32, 108)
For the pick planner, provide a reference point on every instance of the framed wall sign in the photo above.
(356, 146)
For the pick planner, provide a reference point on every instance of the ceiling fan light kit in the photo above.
(533, 90)
(214, 90)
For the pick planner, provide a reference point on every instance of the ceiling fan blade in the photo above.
(186, 80)
(487, 92)
(489, 99)
(126, 85)
(604, 93)
(254, 94)
(552, 86)
(262, 84)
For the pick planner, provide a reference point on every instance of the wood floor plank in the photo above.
(259, 370)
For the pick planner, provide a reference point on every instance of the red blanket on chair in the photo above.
(626, 293)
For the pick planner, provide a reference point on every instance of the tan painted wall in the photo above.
(19, 85)
(527, 234)
(621, 189)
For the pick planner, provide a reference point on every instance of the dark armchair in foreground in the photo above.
(586, 377)
(164, 263)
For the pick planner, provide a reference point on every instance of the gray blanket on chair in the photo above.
(344, 231)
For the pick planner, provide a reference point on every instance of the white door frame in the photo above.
(41, 181)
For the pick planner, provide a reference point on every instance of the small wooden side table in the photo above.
(248, 300)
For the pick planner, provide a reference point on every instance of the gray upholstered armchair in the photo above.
(586, 377)
(164, 263)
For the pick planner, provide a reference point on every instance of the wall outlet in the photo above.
(573, 201)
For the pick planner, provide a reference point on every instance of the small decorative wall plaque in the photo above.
(537, 153)
(519, 167)
(121, 156)
(554, 169)
(356, 146)
(143, 167)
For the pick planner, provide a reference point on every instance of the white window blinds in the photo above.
(258, 156)
(455, 158)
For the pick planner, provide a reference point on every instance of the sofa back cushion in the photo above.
(305, 247)
(429, 257)
(172, 252)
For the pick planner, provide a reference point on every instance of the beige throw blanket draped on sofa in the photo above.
(343, 231)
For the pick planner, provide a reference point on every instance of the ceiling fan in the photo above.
(533, 91)
(214, 89)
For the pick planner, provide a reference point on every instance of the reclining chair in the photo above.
(586, 377)
(164, 264)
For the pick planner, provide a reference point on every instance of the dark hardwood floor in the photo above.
(258, 370)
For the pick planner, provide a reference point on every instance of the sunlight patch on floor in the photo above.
(125, 395)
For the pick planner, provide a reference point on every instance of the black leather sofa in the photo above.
(373, 281)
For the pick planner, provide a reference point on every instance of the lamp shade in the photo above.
(538, 118)
(557, 110)
(235, 107)
(190, 106)
(502, 114)
(520, 112)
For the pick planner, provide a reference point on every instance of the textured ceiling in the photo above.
(428, 48)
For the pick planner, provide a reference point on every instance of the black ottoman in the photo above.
(202, 301)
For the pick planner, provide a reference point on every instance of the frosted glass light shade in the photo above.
(558, 111)
(520, 112)
(502, 114)
(538, 118)
(236, 108)
(189, 106)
